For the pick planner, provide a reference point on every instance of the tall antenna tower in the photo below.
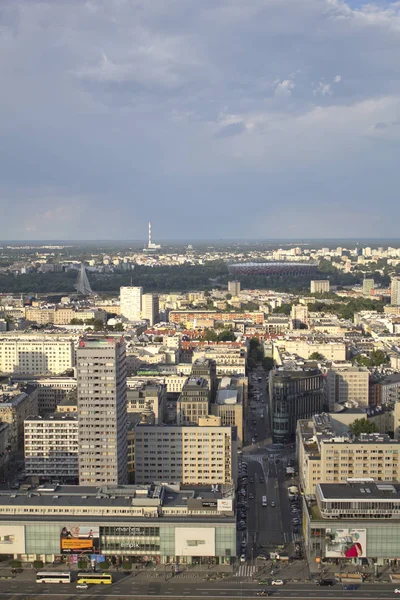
(82, 282)
(149, 244)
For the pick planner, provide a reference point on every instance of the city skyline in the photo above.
(116, 107)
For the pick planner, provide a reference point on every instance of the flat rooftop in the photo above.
(360, 490)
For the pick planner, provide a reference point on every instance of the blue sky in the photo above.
(211, 118)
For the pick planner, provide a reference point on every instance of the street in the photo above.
(128, 587)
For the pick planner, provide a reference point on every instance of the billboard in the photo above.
(194, 541)
(345, 543)
(76, 539)
(12, 539)
(224, 504)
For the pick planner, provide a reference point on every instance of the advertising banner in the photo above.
(225, 504)
(76, 539)
(346, 543)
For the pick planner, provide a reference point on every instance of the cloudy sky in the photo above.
(211, 118)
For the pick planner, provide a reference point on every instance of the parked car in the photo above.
(277, 582)
(324, 582)
(352, 586)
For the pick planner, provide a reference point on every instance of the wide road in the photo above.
(128, 588)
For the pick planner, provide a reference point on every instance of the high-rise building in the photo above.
(102, 411)
(319, 286)
(347, 384)
(368, 285)
(150, 308)
(131, 302)
(206, 368)
(395, 290)
(194, 401)
(234, 288)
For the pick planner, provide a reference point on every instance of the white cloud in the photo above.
(284, 88)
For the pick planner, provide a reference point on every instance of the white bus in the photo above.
(53, 577)
(264, 501)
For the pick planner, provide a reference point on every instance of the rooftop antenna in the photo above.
(82, 283)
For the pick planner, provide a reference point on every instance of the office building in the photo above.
(31, 355)
(367, 286)
(194, 401)
(293, 395)
(202, 455)
(230, 358)
(139, 394)
(131, 303)
(395, 291)
(205, 368)
(356, 520)
(102, 413)
(52, 391)
(51, 447)
(299, 316)
(157, 523)
(234, 288)
(347, 384)
(17, 403)
(319, 286)
(327, 453)
(150, 308)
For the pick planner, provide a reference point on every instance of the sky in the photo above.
(212, 118)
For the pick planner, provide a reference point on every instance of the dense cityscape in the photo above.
(225, 434)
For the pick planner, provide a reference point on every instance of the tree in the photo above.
(284, 309)
(75, 321)
(15, 564)
(362, 426)
(118, 327)
(210, 335)
(38, 564)
(126, 565)
(316, 356)
(378, 357)
(82, 564)
(226, 335)
(228, 296)
(267, 363)
(104, 565)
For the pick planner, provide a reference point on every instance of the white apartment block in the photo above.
(200, 455)
(303, 347)
(230, 360)
(131, 302)
(347, 384)
(51, 447)
(319, 286)
(33, 356)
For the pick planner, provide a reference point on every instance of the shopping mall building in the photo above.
(157, 523)
(355, 522)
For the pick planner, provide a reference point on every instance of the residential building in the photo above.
(367, 286)
(319, 286)
(228, 405)
(194, 401)
(293, 395)
(150, 308)
(230, 358)
(51, 447)
(36, 356)
(17, 403)
(347, 384)
(234, 288)
(159, 523)
(304, 347)
(201, 455)
(4, 444)
(102, 411)
(131, 303)
(188, 317)
(52, 391)
(299, 316)
(389, 389)
(359, 519)
(326, 455)
(395, 291)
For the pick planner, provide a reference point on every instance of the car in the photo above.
(251, 480)
(82, 586)
(262, 557)
(352, 586)
(264, 593)
(277, 582)
(242, 558)
(324, 582)
(251, 497)
(272, 504)
(397, 591)
(262, 480)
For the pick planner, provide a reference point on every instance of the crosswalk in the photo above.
(246, 571)
(253, 458)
